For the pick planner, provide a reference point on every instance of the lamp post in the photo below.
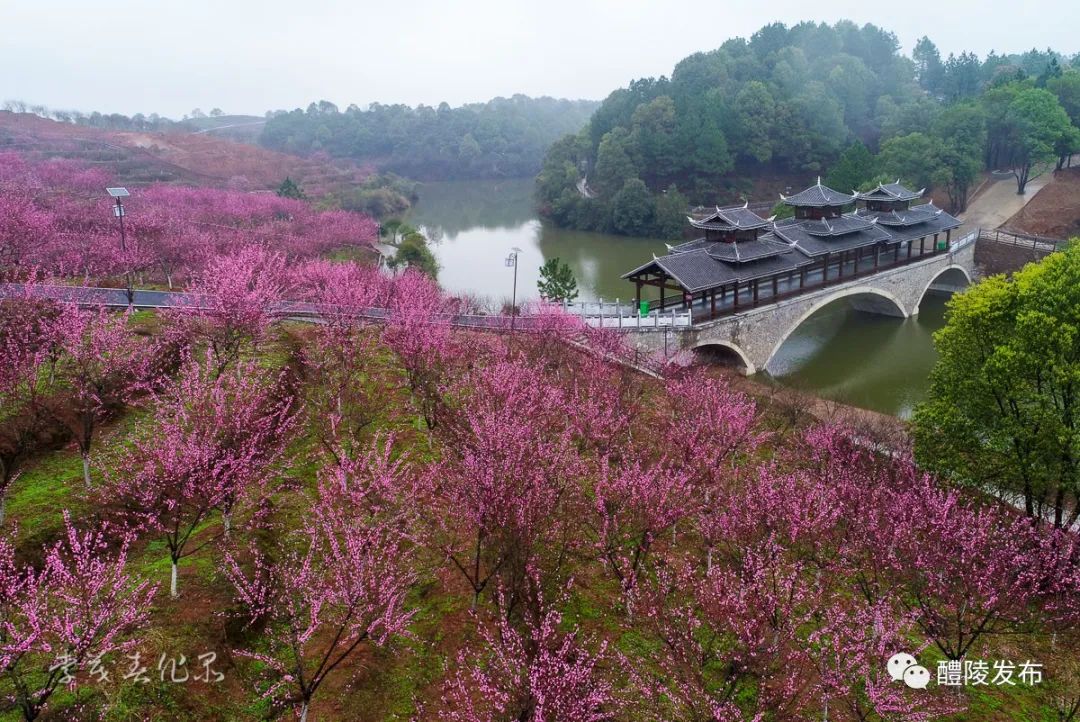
(512, 260)
(119, 193)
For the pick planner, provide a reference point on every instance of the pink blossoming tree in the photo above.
(536, 673)
(98, 357)
(335, 588)
(230, 302)
(504, 492)
(212, 438)
(78, 606)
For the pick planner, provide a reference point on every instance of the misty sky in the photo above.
(147, 56)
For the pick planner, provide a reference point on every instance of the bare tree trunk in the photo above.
(172, 584)
(303, 711)
(86, 469)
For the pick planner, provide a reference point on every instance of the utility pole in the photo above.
(119, 193)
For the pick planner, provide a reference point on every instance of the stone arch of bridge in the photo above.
(955, 276)
(870, 298)
(725, 351)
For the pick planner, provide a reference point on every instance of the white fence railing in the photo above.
(607, 314)
(964, 240)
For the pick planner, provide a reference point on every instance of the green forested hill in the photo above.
(787, 103)
(504, 137)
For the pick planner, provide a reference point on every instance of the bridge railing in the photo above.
(1025, 240)
(607, 314)
(965, 240)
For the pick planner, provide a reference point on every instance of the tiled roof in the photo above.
(736, 251)
(918, 221)
(817, 196)
(698, 270)
(730, 219)
(909, 217)
(743, 251)
(794, 232)
(889, 192)
(836, 226)
(690, 245)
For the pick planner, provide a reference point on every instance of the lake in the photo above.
(875, 362)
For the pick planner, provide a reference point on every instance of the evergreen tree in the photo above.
(289, 189)
(855, 167)
(557, 282)
(615, 163)
(632, 209)
(670, 214)
(413, 252)
(928, 66)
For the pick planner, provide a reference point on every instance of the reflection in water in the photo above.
(876, 362)
(474, 224)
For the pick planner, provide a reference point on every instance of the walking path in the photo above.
(583, 188)
(1000, 202)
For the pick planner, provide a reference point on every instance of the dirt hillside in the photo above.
(1054, 211)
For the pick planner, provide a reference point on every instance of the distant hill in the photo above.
(840, 102)
(502, 138)
(199, 158)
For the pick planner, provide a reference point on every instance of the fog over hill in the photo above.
(247, 57)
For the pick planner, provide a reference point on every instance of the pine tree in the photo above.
(557, 282)
(854, 167)
(289, 189)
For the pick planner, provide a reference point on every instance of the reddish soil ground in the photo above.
(1054, 211)
(198, 158)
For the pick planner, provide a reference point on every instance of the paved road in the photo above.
(231, 125)
(583, 188)
(1000, 202)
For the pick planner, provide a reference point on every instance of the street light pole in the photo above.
(119, 193)
(512, 260)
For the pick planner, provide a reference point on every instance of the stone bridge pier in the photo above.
(754, 336)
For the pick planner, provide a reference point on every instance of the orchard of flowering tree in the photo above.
(213, 513)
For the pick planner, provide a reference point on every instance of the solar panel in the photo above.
(117, 192)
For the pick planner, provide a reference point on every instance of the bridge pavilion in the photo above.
(743, 260)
